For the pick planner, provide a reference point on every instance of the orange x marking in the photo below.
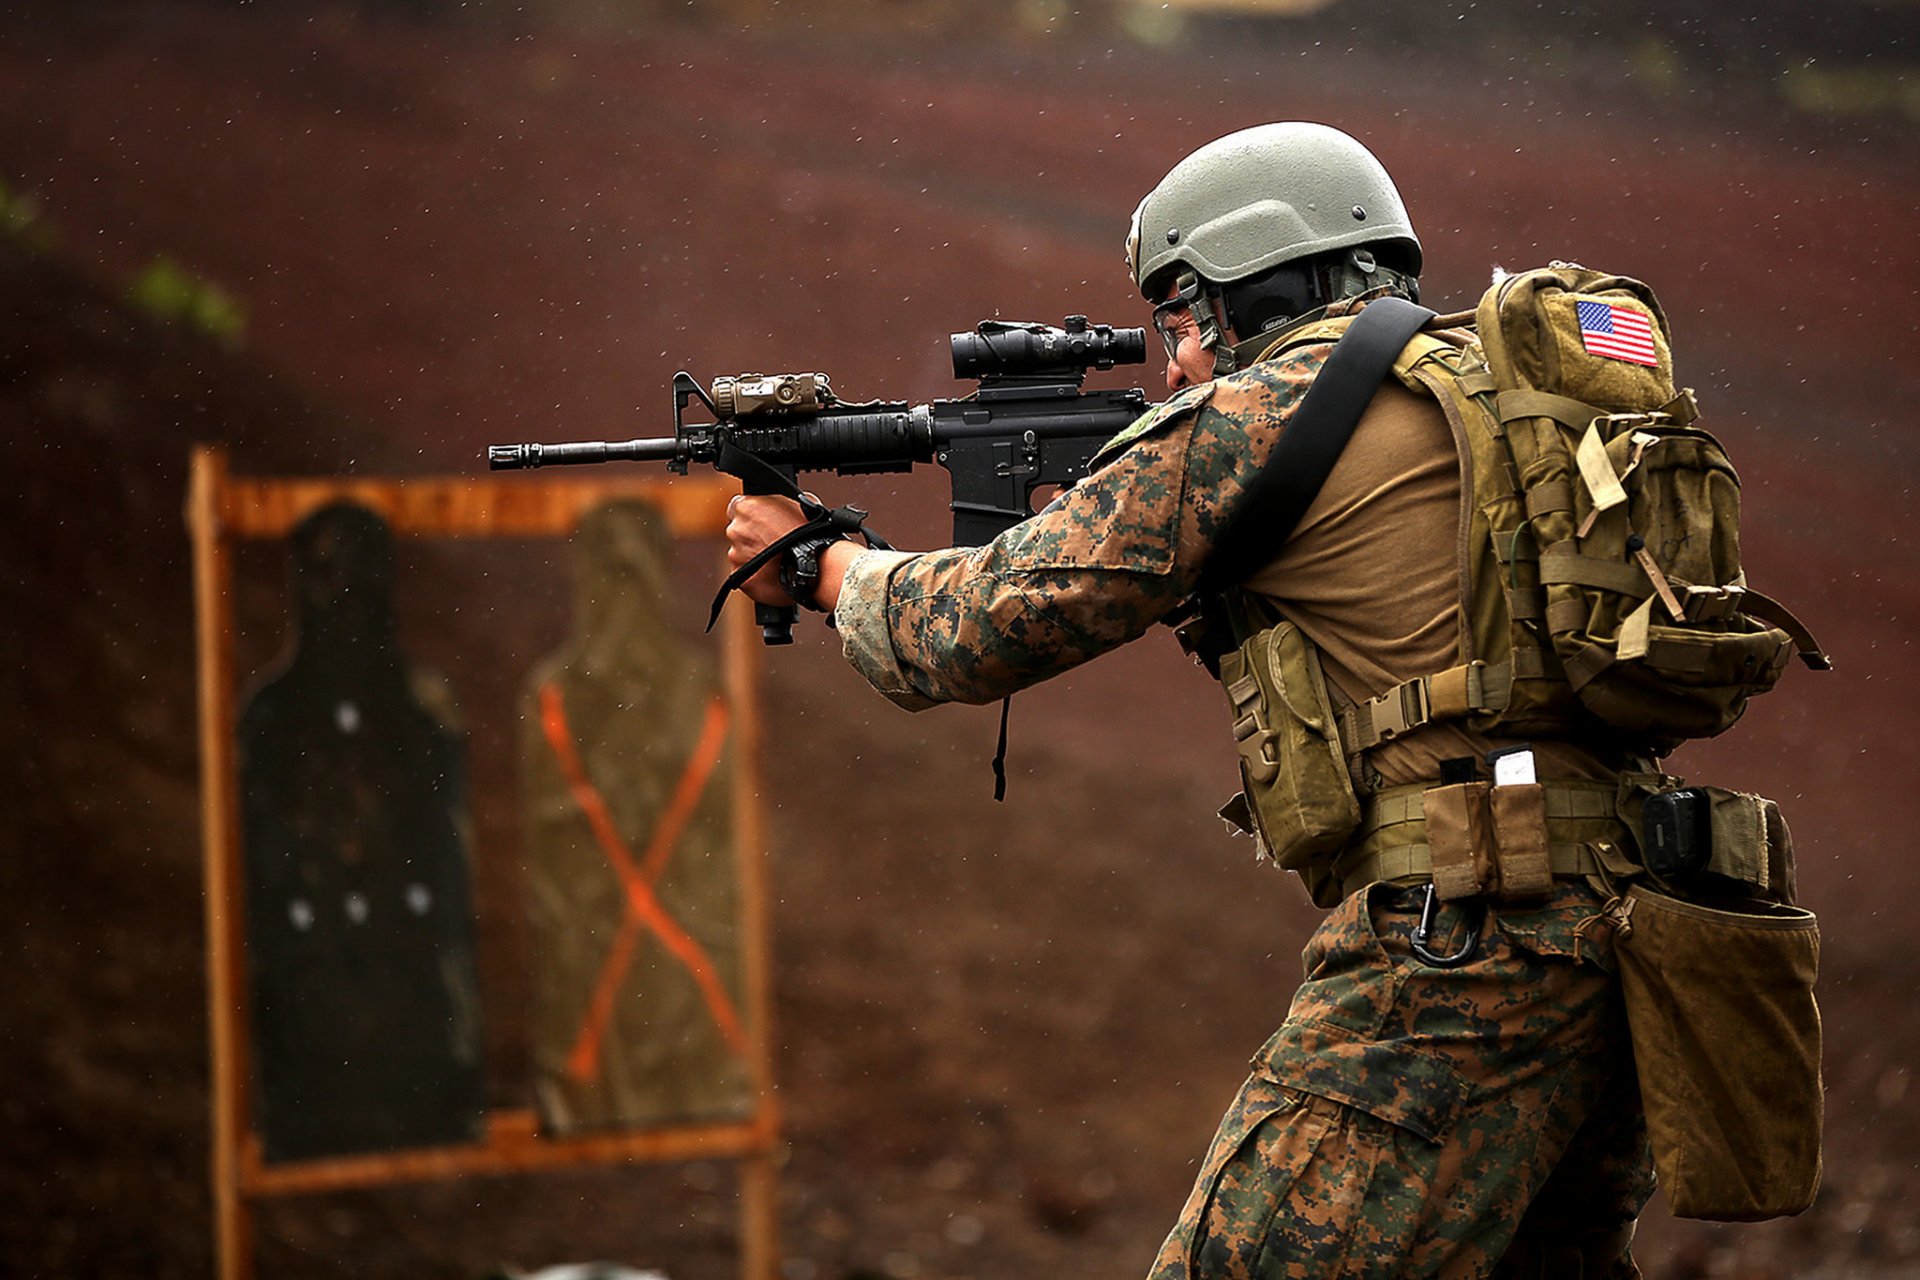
(638, 877)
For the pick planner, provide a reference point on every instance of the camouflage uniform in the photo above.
(1405, 1120)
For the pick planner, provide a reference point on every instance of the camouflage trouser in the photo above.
(1412, 1121)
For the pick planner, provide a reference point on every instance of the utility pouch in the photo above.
(1750, 843)
(1299, 799)
(1716, 839)
(1726, 1043)
(1486, 839)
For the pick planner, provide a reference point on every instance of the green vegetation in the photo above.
(165, 289)
(1852, 90)
(169, 291)
(20, 219)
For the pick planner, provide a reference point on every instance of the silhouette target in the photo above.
(359, 913)
(633, 893)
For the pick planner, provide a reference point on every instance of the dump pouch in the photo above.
(1726, 1043)
(1299, 800)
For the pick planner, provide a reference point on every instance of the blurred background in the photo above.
(373, 238)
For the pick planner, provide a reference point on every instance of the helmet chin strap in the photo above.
(1209, 309)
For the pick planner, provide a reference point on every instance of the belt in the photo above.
(1391, 843)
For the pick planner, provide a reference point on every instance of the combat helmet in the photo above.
(1263, 227)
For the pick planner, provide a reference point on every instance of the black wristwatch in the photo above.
(800, 569)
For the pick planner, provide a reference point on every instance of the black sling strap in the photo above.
(1303, 458)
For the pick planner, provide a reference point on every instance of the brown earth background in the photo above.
(1003, 1032)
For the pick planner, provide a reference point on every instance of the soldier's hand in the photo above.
(754, 523)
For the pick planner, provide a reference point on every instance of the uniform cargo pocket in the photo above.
(1238, 1186)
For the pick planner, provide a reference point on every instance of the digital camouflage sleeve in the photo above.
(1103, 563)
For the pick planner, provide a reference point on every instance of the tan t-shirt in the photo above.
(1372, 576)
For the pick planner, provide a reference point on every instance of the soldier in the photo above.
(1451, 1093)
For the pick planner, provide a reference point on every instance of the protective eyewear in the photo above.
(1171, 320)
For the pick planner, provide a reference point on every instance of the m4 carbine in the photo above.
(1030, 425)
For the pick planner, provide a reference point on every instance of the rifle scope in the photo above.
(1001, 349)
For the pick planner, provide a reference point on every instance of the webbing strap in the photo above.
(1549, 496)
(1585, 663)
(1769, 610)
(1669, 655)
(1524, 606)
(1280, 493)
(1514, 405)
(1562, 563)
(1570, 614)
(1415, 862)
(1452, 694)
(1391, 843)
(1399, 805)
(1683, 409)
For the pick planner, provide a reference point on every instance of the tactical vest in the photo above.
(1601, 585)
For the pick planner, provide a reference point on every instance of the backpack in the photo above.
(1602, 590)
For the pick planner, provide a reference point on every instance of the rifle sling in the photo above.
(821, 519)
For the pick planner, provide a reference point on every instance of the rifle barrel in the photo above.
(519, 457)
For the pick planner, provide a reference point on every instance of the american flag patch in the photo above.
(1618, 333)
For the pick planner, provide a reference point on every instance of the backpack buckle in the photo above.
(1609, 424)
(1712, 604)
(1397, 711)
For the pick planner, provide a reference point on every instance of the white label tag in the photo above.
(1513, 768)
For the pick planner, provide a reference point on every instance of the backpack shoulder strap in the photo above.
(1303, 458)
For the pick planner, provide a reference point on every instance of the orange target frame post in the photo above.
(223, 509)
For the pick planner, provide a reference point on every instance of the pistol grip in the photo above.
(775, 622)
